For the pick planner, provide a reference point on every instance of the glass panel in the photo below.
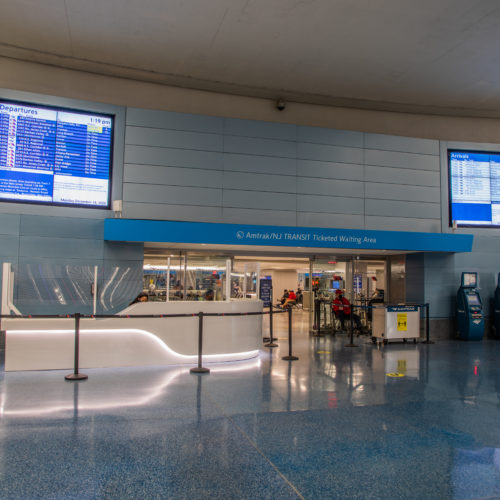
(202, 276)
(328, 277)
(244, 280)
(206, 277)
(237, 285)
(47, 288)
(53, 289)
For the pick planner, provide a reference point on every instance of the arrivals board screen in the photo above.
(474, 188)
(54, 155)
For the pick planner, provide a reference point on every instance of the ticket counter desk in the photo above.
(398, 322)
(48, 344)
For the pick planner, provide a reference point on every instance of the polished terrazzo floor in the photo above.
(384, 422)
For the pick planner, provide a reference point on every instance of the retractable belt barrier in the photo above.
(76, 375)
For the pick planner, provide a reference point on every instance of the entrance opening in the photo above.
(197, 275)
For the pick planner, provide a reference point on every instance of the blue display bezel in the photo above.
(450, 197)
(81, 111)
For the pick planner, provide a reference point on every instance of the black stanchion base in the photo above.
(290, 358)
(427, 342)
(199, 370)
(76, 376)
(351, 345)
(271, 344)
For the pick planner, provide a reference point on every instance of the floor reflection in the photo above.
(374, 421)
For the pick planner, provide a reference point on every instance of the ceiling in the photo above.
(164, 250)
(434, 56)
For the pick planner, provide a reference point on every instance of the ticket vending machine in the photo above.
(470, 320)
(496, 309)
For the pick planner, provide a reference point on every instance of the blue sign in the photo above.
(357, 283)
(266, 288)
(281, 236)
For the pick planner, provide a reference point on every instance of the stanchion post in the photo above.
(290, 357)
(271, 342)
(76, 375)
(351, 344)
(317, 318)
(427, 340)
(199, 368)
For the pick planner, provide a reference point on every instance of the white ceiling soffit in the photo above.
(432, 56)
(155, 249)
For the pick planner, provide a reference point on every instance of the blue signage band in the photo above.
(281, 236)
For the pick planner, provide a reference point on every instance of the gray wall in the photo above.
(212, 169)
(203, 168)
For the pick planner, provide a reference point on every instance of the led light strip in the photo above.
(186, 357)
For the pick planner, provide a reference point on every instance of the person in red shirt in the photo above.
(290, 300)
(342, 309)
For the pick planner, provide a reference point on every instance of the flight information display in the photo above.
(54, 155)
(474, 188)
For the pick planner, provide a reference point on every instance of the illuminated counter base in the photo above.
(48, 344)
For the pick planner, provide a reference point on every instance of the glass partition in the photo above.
(47, 288)
(245, 279)
(328, 277)
(205, 278)
(185, 277)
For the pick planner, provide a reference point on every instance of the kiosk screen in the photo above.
(473, 300)
(469, 279)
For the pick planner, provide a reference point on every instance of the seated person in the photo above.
(209, 295)
(342, 309)
(237, 293)
(291, 300)
(285, 296)
(142, 297)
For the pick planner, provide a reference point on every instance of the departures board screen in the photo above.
(54, 155)
(474, 188)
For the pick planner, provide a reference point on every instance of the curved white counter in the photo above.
(47, 344)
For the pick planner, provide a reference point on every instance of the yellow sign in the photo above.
(395, 374)
(324, 352)
(402, 322)
(94, 128)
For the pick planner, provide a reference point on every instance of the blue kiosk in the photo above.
(496, 309)
(470, 319)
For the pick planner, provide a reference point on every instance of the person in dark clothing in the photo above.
(285, 296)
(343, 311)
(142, 297)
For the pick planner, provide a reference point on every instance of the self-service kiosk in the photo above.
(470, 320)
(496, 309)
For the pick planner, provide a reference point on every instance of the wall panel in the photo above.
(174, 121)
(179, 195)
(318, 135)
(401, 160)
(402, 144)
(266, 217)
(173, 176)
(259, 200)
(329, 170)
